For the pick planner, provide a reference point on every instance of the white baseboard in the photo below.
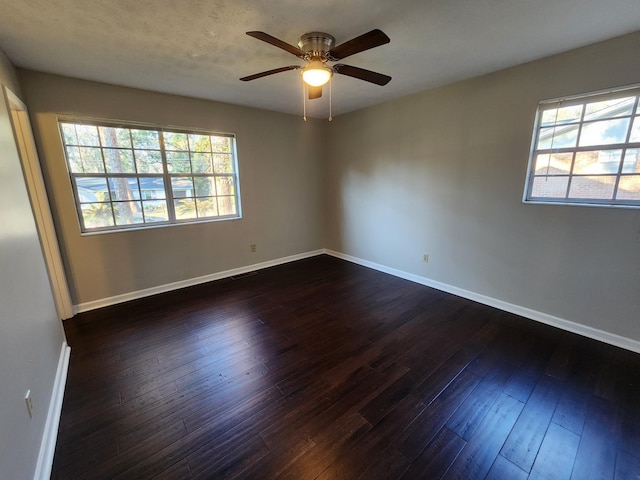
(48, 445)
(584, 330)
(125, 297)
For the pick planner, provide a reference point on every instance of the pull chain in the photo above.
(330, 82)
(304, 101)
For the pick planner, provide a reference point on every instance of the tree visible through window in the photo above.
(586, 150)
(127, 177)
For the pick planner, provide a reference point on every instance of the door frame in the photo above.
(39, 203)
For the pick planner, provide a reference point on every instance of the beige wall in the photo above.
(281, 180)
(442, 172)
(31, 335)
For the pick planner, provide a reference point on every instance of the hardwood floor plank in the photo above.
(129, 457)
(522, 444)
(571, 410)
(179, 470)
(504, 469)
(389, 465)
(376, 446)
(385, 401)
(437, 457)
(279, 458)
(528, 374)
(229, 460)
(557, 454)
(344, 434)
(426, 426)
(473, 410)
(627, 467)
(345, 399)
(477, 456)
(596, 456)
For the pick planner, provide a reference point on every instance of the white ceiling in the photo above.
(199, 47)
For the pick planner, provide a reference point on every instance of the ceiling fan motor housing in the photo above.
(316, 44)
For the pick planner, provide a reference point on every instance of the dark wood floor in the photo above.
(321, 369)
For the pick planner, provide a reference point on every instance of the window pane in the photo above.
(128, 213)
(550, 187)
(178, 162)
(69, 133)
(221, 144)
(155, 211)
(605, 132)
(152, 187)
(96, 215)
(631, 161)
(558, 137)
(207, 207)
(148, 161)
(182, 187)
(91, 160)
(227, 205)
(635, 130)
(205, 186)
(145, 139)
(222, 163)
(614, 107)
(175, 141)
(224, 186)
(629, 187)
(597, 162)
(553, 164)
(87, 135)
(199, 143)
(201, 163)
(185, 208)
(92, 189)
(592, 187)
(124, 188)
(119, 161)
(74, 160)
(561, 115)
(115, 137)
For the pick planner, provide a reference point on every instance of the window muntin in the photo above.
(127, 176)
(586, 150)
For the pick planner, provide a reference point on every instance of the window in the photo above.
(127, 176)
(586, 150)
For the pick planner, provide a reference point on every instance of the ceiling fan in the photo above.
(317, 49)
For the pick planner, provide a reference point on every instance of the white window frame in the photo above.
(165, 174)
(571, 175)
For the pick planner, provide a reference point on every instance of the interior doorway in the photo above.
(39, 203)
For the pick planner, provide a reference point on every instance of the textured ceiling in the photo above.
(199, 48)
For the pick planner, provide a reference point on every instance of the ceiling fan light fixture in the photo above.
(316, 73)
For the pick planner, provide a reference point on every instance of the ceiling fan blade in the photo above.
(372, 39)
(269, 72)
(315, 92)
(265, 37)
(362, 74)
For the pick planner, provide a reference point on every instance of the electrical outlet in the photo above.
(425, 258)
(29, 401)
(253, 248)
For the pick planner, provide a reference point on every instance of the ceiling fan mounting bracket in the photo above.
(316, 45)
